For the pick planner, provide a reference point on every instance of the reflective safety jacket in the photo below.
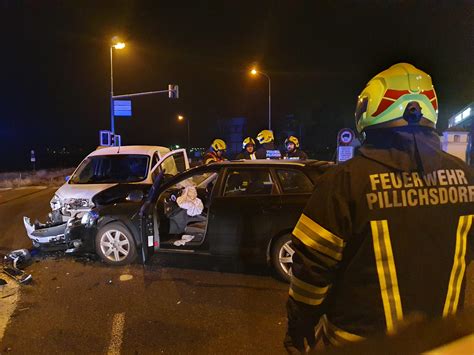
(244, 155)
(385, 236)
(296, 154)
(211, 157)
(268, 151)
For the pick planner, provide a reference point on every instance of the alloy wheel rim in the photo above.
(285, 257)
(114, 245)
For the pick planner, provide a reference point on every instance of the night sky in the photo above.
(319, 54)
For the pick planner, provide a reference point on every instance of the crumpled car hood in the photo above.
(81, 191)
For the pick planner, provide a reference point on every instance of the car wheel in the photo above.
(282, 257)
(115, 245)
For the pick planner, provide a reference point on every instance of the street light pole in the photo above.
(117, 45)
(254, 72)
(112, 118)
(189, 133)
(188, 129)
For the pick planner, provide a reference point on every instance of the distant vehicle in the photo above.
(107, 167)
(244, 209)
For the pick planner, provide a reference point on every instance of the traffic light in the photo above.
(173, 91)
(105, 138)
(117, 140)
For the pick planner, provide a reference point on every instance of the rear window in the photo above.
(294, 181)
(112, 169)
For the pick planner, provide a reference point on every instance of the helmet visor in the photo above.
(361, 108)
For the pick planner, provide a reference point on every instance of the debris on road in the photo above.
(13, 262)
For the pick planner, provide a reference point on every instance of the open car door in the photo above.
(171, 164)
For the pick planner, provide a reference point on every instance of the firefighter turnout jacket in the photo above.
(297, 154)
(268, 151)
(212, 157)
(385, 236)
(245, 155)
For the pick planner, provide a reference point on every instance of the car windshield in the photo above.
(111, 169)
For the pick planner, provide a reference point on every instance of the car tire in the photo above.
(281, 256)
(115, 245)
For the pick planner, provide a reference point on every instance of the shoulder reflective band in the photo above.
(459, 266)
(337, 336)
(392, 304)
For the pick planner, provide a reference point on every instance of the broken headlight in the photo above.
(78, 203)
(89, 218)
(55, 203)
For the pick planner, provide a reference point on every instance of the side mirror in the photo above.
(67, 178)
(135, 196)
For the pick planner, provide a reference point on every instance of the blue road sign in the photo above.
(123, 108)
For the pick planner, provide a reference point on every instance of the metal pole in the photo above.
(189, 134)
(112, 121)
(269, 104)
(269, 99)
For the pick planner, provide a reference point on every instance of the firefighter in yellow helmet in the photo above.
(293, 151)
(216, 152)
(384, 235)
(267, 149)
(248, 150)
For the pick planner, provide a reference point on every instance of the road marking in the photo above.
(8, 300)
(125, 277)
(118, 323)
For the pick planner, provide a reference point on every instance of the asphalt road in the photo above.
(179, 304)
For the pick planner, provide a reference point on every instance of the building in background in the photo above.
(232, 131)
(458, 138)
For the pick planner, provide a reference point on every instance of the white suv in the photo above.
(107, 167)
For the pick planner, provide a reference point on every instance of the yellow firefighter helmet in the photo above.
(218, 144)
(265, 136)
(387, 95)
(247, 141)
(294, 140)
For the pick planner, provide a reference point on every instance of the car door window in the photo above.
(294, 181)
(245, 182)
(185, 204)
(171, 166)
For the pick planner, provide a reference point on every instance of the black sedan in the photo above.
(243, 209)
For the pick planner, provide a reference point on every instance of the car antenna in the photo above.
(119, 144)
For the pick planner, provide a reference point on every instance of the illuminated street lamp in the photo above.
(117, 45)
(181, 118)
(254, 72)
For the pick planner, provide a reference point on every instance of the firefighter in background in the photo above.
(267, 149)
(248, 150)
(216, 152)
(384, 236)
(292, 145)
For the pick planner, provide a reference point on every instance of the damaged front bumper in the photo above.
(53, 235)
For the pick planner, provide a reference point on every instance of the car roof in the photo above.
(130, 149)
(322, 164)
(275, 162)
(318, 165)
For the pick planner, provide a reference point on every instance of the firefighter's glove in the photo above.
(301, 327)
